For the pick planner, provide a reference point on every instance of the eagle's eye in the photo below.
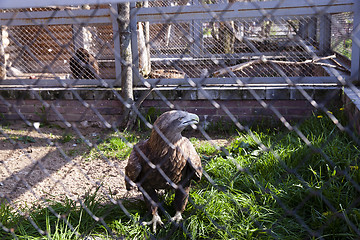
(181, 118)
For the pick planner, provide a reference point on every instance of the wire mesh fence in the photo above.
(94, 99)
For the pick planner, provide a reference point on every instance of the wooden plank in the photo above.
(355, 55)
(317, 6)
(57, 82)
(116, 39)
(245, 80)
(243, 10)
(172, 82)
(281, 13)
(134, 44)
(180, 13)
(197, 46)
(50, 18)
(6, 4)
(325, 33)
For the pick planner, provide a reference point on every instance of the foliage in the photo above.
(66, 137)
(116, 146)
(345, 48)
(151, 115)
(26, 139)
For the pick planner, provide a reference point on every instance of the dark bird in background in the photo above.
(165, 152)
(84, 65)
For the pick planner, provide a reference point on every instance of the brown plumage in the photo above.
(84, 65)
(168, 153)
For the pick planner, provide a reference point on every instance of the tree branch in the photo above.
(241, 66)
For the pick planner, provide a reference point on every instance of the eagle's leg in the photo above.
(153, 203)
(180, 201)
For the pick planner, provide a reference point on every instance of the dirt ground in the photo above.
(33, 165)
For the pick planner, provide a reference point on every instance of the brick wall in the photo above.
(57, 104)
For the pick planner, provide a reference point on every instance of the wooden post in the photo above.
(116, 38)
(4, 42)
(325, 33)
(355, 55)
(82, 37)
(196, 32)
(134, 44)
(307, 29)
(196, 35)
(303, 33)
(312, 27)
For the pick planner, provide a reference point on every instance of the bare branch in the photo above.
(240, 67)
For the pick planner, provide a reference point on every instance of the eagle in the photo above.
(84, 65)
(166, 160)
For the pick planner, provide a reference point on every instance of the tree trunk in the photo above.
(126, 64)
(229, 36)
(144, 46)
(144, 58)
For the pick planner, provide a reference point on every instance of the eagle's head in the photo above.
(172, 123)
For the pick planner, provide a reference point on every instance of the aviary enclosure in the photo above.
(274, 84)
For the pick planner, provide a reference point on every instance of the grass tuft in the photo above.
(115, 147)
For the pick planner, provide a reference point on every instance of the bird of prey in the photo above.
(166, 160)
(84, 65)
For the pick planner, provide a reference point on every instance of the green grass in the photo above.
(288, 192)
(115, 147)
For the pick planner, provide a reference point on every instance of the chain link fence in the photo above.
(274, 87)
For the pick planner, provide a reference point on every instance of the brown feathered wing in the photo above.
(179, 164)
(134, 165)
(193, 160)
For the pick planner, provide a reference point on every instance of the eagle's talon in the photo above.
(177, 218)
(154, 221)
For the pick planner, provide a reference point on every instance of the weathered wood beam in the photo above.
(355, 55)
(244, 10)
(61, 17)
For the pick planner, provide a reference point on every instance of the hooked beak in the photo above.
(191, 119)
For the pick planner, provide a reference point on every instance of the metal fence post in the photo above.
(355, 56)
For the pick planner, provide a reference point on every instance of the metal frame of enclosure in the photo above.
(287, 9)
